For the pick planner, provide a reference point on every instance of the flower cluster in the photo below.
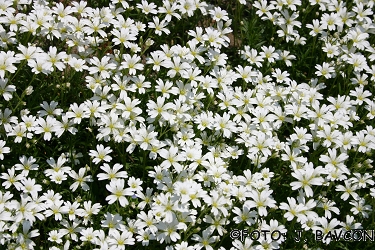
(134, 123)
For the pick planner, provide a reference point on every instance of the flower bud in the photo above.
(29, 90)
(149, 42)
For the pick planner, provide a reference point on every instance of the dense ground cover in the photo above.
(187, 124)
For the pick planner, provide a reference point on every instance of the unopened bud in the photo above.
(29, 90)
(149, 42)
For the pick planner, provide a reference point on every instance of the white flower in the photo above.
(170, 9)
(77, 64)
(159, 108)
(269, 54)
(326, 227)
(166, 207)
(349, 189)
(123, 36)
(6, 90)
(245, 215)
(217, 223)
(332, 50)
(103, 66)
(11, 178)
(118, 240)
(281, 76)
(218, 203)
(26, 165)
(364, 141)
(213, 37)
(46, 127)
(176, 65)
(330, 135)
(188, 7)
(206, 240)
(112, 222)
(292, 155)
(328, 206)
(7, 60)
(263, 7)
(294, 209)
(89, 235)
(88, 210)
(362, 13)
(57, 167)
(330, 21)
(274, 229)
(49, 109)
(350, 224)
(131, 63)
(54, 59)
(147, 8)
(325, 70)
(77, 112)
(80, 179)
(3, 150)
(70, 209)
(111, 124)
(37, 65)
(358, 61)
(147, 220)
(28, 53)
(372, 192)
(172, 157)
(94, 25)
(307, 177)
(261, 143)
(30, 186)
(55, 236)
(65, 125)
(159, 26)
(168, 231)
(261, 200)
(117, 188)
(224, 125)
(54, 208)
(101, 154)
(218, 14)
(334, 160)
(362, 181)
(71, 229)
(112, 173)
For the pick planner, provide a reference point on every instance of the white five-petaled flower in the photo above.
(119, 239)
(6, 90)
(131, 63)
(293, 209)
(101, 154)
(77, 112)
(172, 158)
(80, 179)
(112, 173)
(159, 108)
(7, 60)
(3, 149)
(159, 26)
(46, 126)
(261, 200)
(118, 190)
(102, 66)
(326, 227)
(307, 177)
(324, 70)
